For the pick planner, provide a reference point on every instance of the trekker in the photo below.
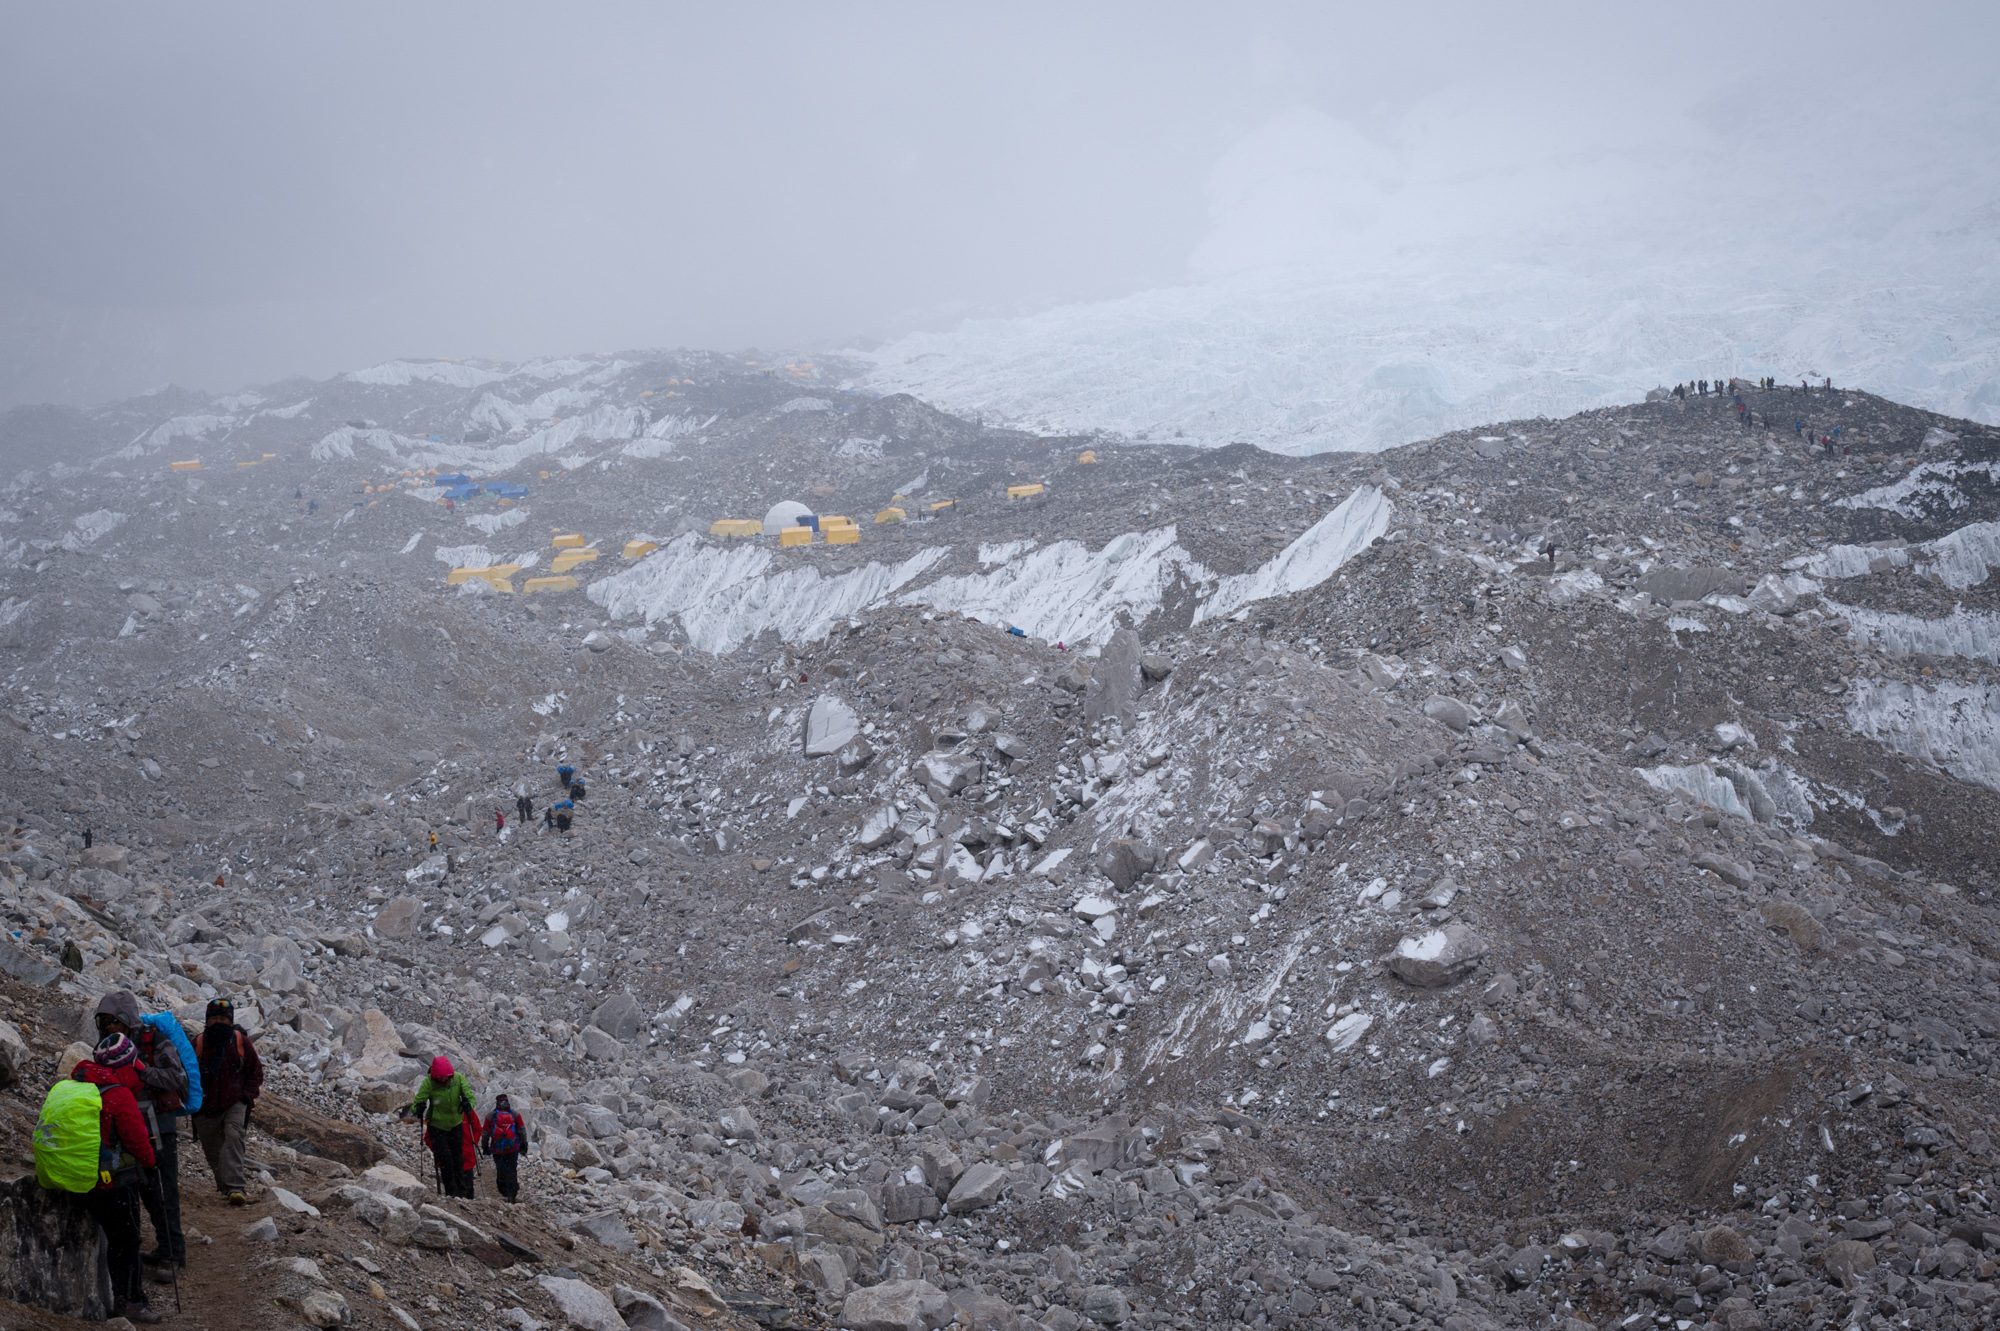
(434, 839)
(576, 791)
(232, 1077)
(565, 810)
(442, 1101)
(86, 838)
(506, 1141)
(113, 1068)
(564, 773)
(499, 821)
(163, 1086)
(524, 807)
(548, 815)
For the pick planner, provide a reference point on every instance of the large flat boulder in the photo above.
(1438, 958)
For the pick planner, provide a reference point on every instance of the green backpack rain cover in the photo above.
(68, 1137)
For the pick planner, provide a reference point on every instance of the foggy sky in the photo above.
(226, 194)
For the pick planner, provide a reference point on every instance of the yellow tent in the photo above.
(1087, 457)
(193, 464)
(1028, 491)
(569, 540)
(636, 549)
(533, 585)
(790, 536)
(836, 520)
(736, 527)
(569, 559)
(498, 581)
(943, 504)
(848, 535)
(890, 514)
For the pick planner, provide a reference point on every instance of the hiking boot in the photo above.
(238, 1199)
(158, 1258)
(145, 1313)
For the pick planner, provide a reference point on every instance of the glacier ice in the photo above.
(1953, 727)
(1972, 634)
(723, 596)
(1311, 559)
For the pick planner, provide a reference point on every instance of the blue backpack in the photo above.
(167, 1024)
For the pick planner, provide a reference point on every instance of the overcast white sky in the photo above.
(225, 194)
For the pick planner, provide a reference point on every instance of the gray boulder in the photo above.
(1113, 691)
(830, 724)
(619, 1016)
(54, 1253)
(1450, 713)
(583, 1306)
(1125, 861)
(978, 1187)
(897, 1305)
(1438, 958)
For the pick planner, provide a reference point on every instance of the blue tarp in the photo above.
(506, 489)
(453, 478)
(809, 520)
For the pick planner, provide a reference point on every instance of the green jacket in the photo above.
(448, 1102)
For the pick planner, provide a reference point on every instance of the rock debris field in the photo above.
(1323, 909)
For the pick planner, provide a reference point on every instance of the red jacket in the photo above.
(120, 1121)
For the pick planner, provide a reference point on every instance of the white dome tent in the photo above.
(785, 513)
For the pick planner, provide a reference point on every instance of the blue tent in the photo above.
(506, 490)
(452, 478)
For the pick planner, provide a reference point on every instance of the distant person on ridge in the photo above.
(232, 1077)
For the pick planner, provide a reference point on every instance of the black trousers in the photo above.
(163, 1206)
(116, 1211)
(448, 1149)
(506, 1172)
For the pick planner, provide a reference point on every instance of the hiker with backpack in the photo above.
(564, 773)
(232, 1076)
(92, 1140)
(506, 1141)
(164, 1091)
(443, 1102)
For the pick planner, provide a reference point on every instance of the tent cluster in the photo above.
(573, 551)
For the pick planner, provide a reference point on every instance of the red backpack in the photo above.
(506, 1132)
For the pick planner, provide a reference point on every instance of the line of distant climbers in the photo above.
(1768, 384)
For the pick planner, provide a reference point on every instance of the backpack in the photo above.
(506, 1132)
(69, 1136)
(167, 1024)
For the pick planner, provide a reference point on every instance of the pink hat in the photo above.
(441, 1068)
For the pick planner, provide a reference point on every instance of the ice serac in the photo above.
(723, 596)
(1067, 592)
(1953, 727)
(1311, 559)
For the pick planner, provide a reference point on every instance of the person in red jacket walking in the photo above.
(114, 1068)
